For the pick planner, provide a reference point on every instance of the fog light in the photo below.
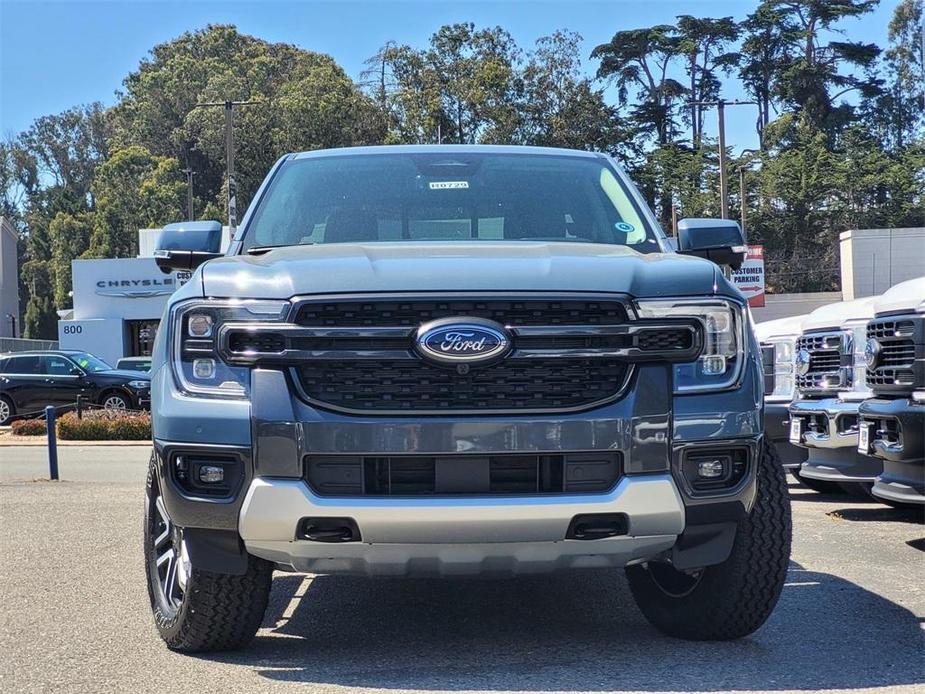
(714, 365)
(211, 474)
(199, 325)
(204, 368)
(710, 469)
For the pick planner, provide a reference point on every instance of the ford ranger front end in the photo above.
(462, 360)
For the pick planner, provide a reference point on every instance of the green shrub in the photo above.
(28, 427)
(103, 425)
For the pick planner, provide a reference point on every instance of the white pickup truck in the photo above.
(892, 426)
(831, 384)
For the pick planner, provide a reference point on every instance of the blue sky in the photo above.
(54, 55)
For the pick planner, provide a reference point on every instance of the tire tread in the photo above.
(736, 597)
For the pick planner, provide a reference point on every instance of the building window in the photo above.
(141, 334)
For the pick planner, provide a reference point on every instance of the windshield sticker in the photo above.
(448, 185)
(625, 227)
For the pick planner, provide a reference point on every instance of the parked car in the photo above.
(777, 339)
(458, 360)
(30, 381)
(142, 364)
(892, 426)
(831, 383)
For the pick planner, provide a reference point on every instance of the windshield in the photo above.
(89, 363)
(447, 197)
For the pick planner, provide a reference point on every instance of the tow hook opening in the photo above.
(594, 526)
(328, 530)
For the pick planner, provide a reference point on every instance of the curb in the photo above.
(11, 441)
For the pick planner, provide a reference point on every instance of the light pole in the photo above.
(189, 193)
(721, 105)
(229, 155)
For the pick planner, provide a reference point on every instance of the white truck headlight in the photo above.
(197, 364)
(784, 354)
(720, 363)
(856, 341)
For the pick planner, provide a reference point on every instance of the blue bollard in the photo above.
(52, 442)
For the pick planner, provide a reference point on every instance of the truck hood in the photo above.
(779, 327)
(457, 266)
(905, 296)
(834, 316)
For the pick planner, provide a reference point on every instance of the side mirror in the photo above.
(719, 240)
(187, 245)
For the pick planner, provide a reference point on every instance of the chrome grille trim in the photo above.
(900, 368)
(554, 366)
(830, 362)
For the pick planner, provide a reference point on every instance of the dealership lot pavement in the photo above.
(75, 618)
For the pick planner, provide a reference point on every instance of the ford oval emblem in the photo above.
(462, 340)
(803, 358)
(872, 352)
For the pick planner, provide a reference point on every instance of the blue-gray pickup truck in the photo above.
(457, 360)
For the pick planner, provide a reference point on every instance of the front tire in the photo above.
(115, 402)
(7, 410)
(732, 599)
(195, 610)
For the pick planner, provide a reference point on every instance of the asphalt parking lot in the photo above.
(75, 616)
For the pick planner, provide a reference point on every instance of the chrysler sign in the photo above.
(126, 288)
(136, 289)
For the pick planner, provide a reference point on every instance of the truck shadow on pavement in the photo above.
(571, 631)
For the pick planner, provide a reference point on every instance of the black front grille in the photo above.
(900, 367)
(243, 342)
(424, 475)
(829, 362)
(664, 340)
(513, 384)
(413, 312)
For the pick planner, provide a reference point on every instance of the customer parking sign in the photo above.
(750, 277)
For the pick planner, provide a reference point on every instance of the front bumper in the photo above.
(895, 434)
(652, 430)
(446, 536)
(777, 430)
(828, 429)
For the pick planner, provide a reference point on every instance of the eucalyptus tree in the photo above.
(821, 71)
(562, 106)
(703, 42)
(638, 62)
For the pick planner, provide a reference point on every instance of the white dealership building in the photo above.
(118, 302)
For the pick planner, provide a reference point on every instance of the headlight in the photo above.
(195, 325)
(784, 353)
(139, 385)
(723, 354)
(856, 341)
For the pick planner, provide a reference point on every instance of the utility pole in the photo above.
(741, 169)
(229, 155)
(742, 204)
(189, 193)
(723, 188)
(721, 105)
